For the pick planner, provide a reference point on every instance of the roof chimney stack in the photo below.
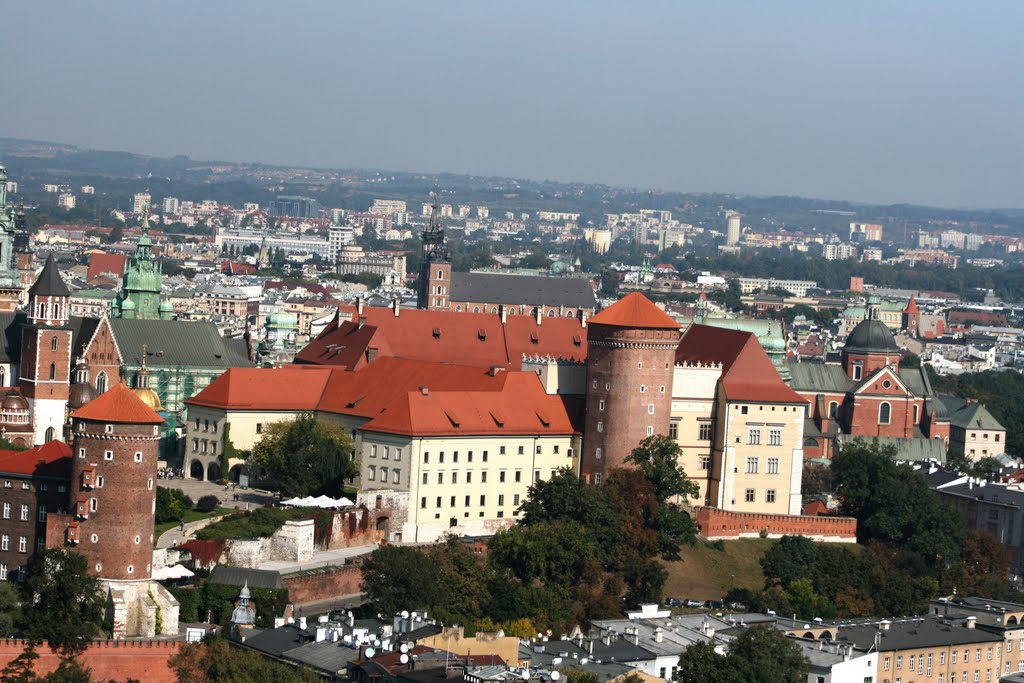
(425, 390)
(539, 315)
(396, 305)
(503, 313)
(359, 306)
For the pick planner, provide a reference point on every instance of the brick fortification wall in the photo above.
(109, 660)
(330, 582)
(714, 524)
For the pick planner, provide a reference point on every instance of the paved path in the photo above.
(195, 489)
(176, 536)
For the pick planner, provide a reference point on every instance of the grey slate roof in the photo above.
(818, 377)
(239, 576)
(172, 343)
(912, 449)
(49, 282)
(968, 415)
(325, 655)
(522, 289)
(914, 634)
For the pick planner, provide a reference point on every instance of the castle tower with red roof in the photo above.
(632, 347)
(45, 375)
(912, 318)
(114, 464)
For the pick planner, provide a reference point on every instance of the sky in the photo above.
(888, 102)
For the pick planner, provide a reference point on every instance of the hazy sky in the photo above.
(893, 101)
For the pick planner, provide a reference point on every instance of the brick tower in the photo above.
(435, 285)
(45, 376)
(632, 346)
(116, 439)
(115, 442)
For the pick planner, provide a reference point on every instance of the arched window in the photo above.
(440, 275)
(42, 310)
(3, 377)
(101, 383)
(49, 435)
(917, 412)
(551, 314)
(53, 371)
(458, 309)
(53, 343)
(833, 409)
(440, 289)
(884, 413)
(476, 309)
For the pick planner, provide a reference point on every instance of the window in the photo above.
(501, 451)
(440, 477)
(773, 465)
(53, 371)
(259, 427)
(540, 449)
(7, 510)
(899, 663)
(5, 542)
(858, 370)
(138, 456)
(423, 502)
(597, 478)
(643, 388)
(371, 473)
(483, 501)
(373, 451)
(81, 452)
(833, 409)
(705, 431)
(650, 409)
(469, 477)
(501, 480)
(753, 436)
(515, 499)
(384, 472)
(749, 497)
(24, 512)
(101, 383)
(650, 430)
(769, 496)
(99, 482)
(25, 486)
(109, 455)
(438, 502)
(41, 516)
(455, 477)
(519, 476)
(387, 453)
(774, 437)
(600, 404)
(884, 413)
(597, 453)
(705, 461)
(22, 544)
(398, 454)
(520, 450)
(600, 426)
(752, 465)
(425, 474)
(673, 430)
(501, 499)
(483, 477)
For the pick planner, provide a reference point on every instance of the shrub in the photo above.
(188, 502)
(260, 523)
(208, 503)
(170, 505)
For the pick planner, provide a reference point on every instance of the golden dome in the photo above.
(149, 397)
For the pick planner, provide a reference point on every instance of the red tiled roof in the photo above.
(747, 372)
(478, 339)
(635, 310)
(911, 306)
(292, 387)
(520, 407)
(118, 404)
(52, 459)
(101, 263)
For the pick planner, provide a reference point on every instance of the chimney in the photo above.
(884, 625)
(540, 315)
(503, 313)
(302, 623)
(396, 305)
(971, 621)
(821, 645)
(583, 319)
(659, 635)
(359, 306)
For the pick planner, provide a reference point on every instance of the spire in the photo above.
(49, 282)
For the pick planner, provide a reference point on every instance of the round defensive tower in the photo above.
(115, 447)
(630, 358)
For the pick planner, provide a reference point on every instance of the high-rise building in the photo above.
(294, 206)
(67, 201)
(172, 206)
(733, 229)
(140, 202)
(387, 206)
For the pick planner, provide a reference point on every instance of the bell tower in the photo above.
(45, 376)
(435, 286)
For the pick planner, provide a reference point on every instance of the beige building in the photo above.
(739, 426)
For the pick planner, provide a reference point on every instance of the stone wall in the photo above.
(714, 524)
(385, 501)
(323, 584)
(108, 660)
(293, 542)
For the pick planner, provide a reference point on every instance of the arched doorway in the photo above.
(383, 522)
(213, 472)
(234, 473)
(195, 470)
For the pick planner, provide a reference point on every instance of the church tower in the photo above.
(46, 353)
(142, 284)
(435, 286)
(10, 278)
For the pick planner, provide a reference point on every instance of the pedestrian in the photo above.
(183, 526)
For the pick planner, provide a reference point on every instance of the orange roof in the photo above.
(747, 372)
(292, 387)
(118, 404)
(520, 407)
(100, 263)
(635, 310)
(478, 339)
(911, 306)
(52, 459)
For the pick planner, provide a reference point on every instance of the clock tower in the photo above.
(141, 286)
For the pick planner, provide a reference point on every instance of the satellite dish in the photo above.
(555, 675)
(403, 648)
(370, 652)
(405, 614)
(404, 659)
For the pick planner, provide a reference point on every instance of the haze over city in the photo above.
(913, 102)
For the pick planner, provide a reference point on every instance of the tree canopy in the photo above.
(305, 456)
(61, 602)
(758, 655)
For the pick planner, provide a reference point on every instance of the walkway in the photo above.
(195, 489)
(176, 536)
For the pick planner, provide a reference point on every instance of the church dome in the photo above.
(282, 319)
(166, 306)
(79, 395)
(149, 397)
(127, 305)
(871, 336)
(13, 402)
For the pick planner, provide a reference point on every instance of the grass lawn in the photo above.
(707, 574)
(190, 516)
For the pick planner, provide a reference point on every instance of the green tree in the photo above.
(817, 479)
(170, 505)
(699, 663)
(765, 655)
(21, 669)
(61, 602)
(658, 458)
(305, 456)
(555, 553)
(789, 560)
(397, 578)
(10, 609)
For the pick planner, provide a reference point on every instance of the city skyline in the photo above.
(871, 103)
